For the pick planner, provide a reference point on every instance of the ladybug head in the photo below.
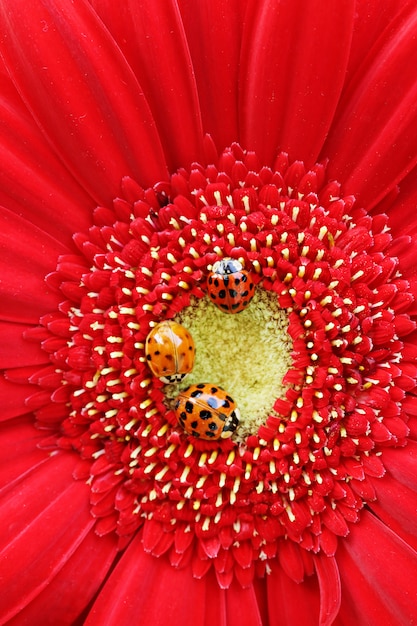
(227, 266)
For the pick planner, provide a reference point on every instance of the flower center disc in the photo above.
(248, 354)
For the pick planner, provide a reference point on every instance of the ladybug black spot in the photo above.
(148, 357)
(229, 399)
(245, 294)
(212, 426)
(194, 424)
(233, 293)
(222, 293)
(205, 414)
(226, 281)
(189, 407)
(243, 278)
(214, 390)
(196, 394)
(201, 386)
(208, 433)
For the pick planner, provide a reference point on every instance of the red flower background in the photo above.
(138, 144)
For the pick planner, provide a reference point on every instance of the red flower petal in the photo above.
(241, 606)
(385, 127)
(330, 592)
(396, 506)
(152, 38)
(215, 51)
(57, 604)
(291, 603)
(404, 217)
(379, 576)
(371, 20)
(20, 454)
(146, 590)
(13, 398)
(27, 255)
(84, 96)
(17, 351)
(402, 464)
(46, 194)
(293, 67)
(38, 539)
(291, 561)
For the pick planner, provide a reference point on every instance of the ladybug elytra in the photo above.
(230, 287)
(170, 351)
(207, 411)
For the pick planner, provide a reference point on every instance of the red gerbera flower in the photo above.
(140, 145)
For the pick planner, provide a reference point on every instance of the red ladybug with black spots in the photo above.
(207, 411)
(229, 286)
(170, 351)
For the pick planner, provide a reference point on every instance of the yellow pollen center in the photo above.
(246, 353)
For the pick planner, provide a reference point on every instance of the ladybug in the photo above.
(230, 287)
(170, 351)
(207, 411)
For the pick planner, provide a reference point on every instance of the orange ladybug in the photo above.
(229, 286)
(207, 411)
(170, 351)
